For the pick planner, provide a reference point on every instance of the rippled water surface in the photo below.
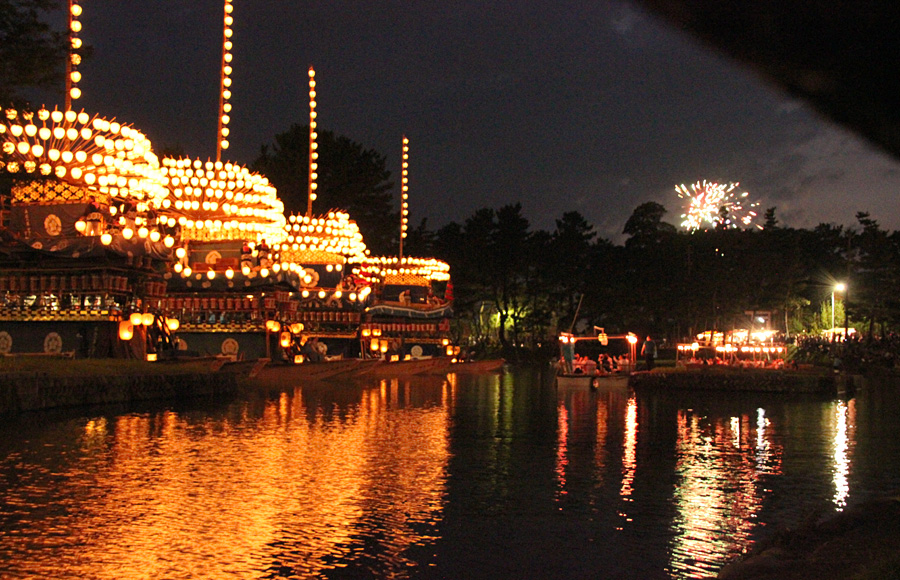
(493, 476)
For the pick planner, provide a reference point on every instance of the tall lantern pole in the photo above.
(225, 83)
(73, 76)
(313, 154)
(404, 195)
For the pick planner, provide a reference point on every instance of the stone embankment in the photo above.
(737, 380)
(861, 543)
(31, 391)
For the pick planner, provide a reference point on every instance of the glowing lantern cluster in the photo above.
(105, 156)
(222, 201)
(334, 234)
(73, 75)
(428, 268)
(225, 89)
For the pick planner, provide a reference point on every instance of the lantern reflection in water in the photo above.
(718, 495)
(318, 475)
(844, 436)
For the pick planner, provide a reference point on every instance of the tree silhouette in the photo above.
(350, 178)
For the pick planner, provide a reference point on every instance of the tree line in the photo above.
(516, 287)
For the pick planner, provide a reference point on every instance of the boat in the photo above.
(310, 371)
(402, 368)
(590, 381)
(244, 368)
(476, 366)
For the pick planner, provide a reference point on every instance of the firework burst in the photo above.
(710, 204)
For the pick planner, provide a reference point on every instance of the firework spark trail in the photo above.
(706, 200)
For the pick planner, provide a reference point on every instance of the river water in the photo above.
(492, 476)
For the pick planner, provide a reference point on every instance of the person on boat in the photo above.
(262, 254)
(404, 297)
(568, 353)
(94, 218)
(246, 255)
(648, 351)
(310, 350)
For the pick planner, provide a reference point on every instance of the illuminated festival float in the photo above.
(409, 314)
(84, 241)
(108, 251)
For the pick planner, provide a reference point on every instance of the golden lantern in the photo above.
(383, 346)
(297, 327)
(449, 351)
(106, 239)
(136, 319)
(374, 344)
(285, 340)
(151, 357)
(147, 319)
(126, 330)
(273, 325)
(172, 324)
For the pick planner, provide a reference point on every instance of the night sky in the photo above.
(592, 106)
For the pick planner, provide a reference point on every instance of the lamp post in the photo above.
(839, 287)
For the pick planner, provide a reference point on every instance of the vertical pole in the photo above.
(313, 154)
(225, 83)
(832, 316)
(404, 194)
(69, 62)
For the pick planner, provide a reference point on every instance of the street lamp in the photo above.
(839, 287)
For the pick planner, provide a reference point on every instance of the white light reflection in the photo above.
(629, 454)
(842, 440)
(722, 470)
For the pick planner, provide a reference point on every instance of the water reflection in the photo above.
(287, 489)
(844, 435)
(494, 476)
(720, 464)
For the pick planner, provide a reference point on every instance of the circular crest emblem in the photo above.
(416, 351)
(230, 346)
(52, 224)
(309, 278)
(212, 257)
(5, 342)
(53, 343)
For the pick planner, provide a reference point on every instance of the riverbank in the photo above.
(861, 543)
(40, 384)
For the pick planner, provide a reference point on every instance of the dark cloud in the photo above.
(592, 106)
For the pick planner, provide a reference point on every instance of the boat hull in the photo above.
(478, 366)
(287, 373)
(405, 368)
(584, 381)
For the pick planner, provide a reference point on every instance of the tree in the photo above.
(570, 258)
(350, 178)
(645, 226)
(31, 54)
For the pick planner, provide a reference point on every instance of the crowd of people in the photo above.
(857, 353)
(604, 365)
